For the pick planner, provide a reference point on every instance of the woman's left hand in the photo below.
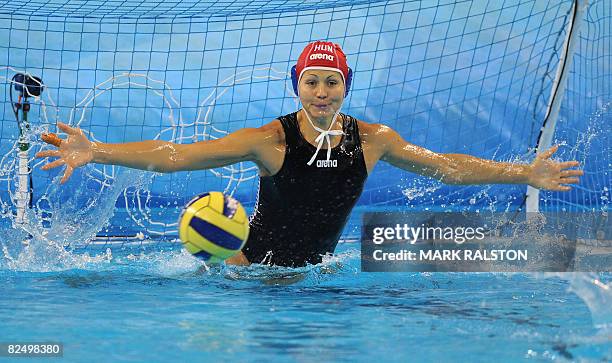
(546, 173)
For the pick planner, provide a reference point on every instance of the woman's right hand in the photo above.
(75, 151)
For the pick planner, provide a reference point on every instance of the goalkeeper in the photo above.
(312, 163)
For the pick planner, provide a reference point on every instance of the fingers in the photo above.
(48, 154)
(569, 164)
(69, 169)
(548, 153)
(561, 188)
(53, 164)
(67, 129)
(557, 187)
(566, 173)
(51, 139)
(67, 174)
(54, 140)
(569, 180)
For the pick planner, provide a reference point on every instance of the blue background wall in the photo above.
(455, 76)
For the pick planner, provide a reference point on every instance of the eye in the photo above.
(311, 82)
(332, 82)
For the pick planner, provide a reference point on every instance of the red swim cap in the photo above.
(322, 55)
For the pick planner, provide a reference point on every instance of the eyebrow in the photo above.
(314, 75)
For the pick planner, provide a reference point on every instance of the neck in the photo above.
(320, 122)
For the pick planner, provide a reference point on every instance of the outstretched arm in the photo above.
(153, 155)
(542, 173)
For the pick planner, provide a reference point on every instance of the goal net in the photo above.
(462, 76)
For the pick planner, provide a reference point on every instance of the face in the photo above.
(321, 93)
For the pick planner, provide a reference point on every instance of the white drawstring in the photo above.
(324, 135)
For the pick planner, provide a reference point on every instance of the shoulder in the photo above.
(264, 139)
(268, 147)
(273, 127)
(375, 133)
(375, 141)
(271, 132)
(379, 140)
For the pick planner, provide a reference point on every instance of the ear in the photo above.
(349, 81)
(294, 80)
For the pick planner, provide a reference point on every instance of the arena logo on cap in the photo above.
(328, 57)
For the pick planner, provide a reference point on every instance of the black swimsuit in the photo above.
(302, 209)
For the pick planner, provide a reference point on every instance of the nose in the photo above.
(321, 91)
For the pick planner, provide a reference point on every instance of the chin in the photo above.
(322, 113)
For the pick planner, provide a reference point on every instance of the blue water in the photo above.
(161, 306)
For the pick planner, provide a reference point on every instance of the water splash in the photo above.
(42, 255)
(591, 146)
(420, 191)
(68, 216)
(331, 267)
(596, 294)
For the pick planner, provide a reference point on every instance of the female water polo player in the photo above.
(312, 163)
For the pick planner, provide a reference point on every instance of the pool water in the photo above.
(163, 305)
